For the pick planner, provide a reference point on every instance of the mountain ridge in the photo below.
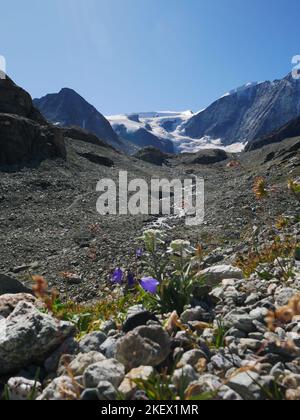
(238, 118)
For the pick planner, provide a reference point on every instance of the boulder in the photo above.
(208, 157)
(109, 370)
(152, 155)
(62, 388)
(22, 389)
(9, 302)
(138, 319)
(146, 345)
(28, 336)
(129, 386)
(9, 285)
(83, 361)
(92, 342)
(216, 274)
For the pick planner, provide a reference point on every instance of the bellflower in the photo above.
(149, 284)
(117, 276)
(139, 252)
(130, 280)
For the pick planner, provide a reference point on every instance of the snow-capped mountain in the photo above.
(156, 129)
(247, 113)
(237, 118)
(164, 130)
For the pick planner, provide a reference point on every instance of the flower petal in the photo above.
(117, 276)
(150, 285)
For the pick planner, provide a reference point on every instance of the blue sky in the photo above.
(145, 55)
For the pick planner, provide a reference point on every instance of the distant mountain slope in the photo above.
(147, 129)
(289, 130)
(247, 113)
(67, 108)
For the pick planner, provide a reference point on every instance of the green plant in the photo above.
(268, 254)
(220, 334)
(114, 304)
(176, 268)
(159, 387)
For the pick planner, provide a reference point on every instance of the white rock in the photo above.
(22, 389)
(215, 275)
(28, 336)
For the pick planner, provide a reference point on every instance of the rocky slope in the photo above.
(239, 339)
(247, 114)
(289, 130)
(25, 134)
(68, 109)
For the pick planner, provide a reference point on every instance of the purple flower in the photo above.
(130, 280)
(149, 285)
(117, 276)
(139, 252)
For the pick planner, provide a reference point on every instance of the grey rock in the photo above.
(232, 396)
(90, 394)
(92, 342)
(8, 302)
(183, 377)
(9, 285)
(208, 383)
(148, 346)
(240, 320)
(37, 334)
(244, 384)
(277, 370)
(108, 326)
(60, 389)
(109, 370)
(221, 362)
(191, 358)
(83, 361)
(22, 389)
(284, 296)
(106, 391)
(109, 347)
(253, 298)
(259, 314)
(214, 275)
(251, 344)
(236, 333)
(138, 319)
(194, 314)
(69, 346)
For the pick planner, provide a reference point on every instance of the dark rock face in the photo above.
(23, 140)
(152, 155)
(208, 157)
(15, 100)
(68, 109)
(98, 160)
(291, 129)
(77, 133)
(25, 136)
(9, 285)
(248, 113)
